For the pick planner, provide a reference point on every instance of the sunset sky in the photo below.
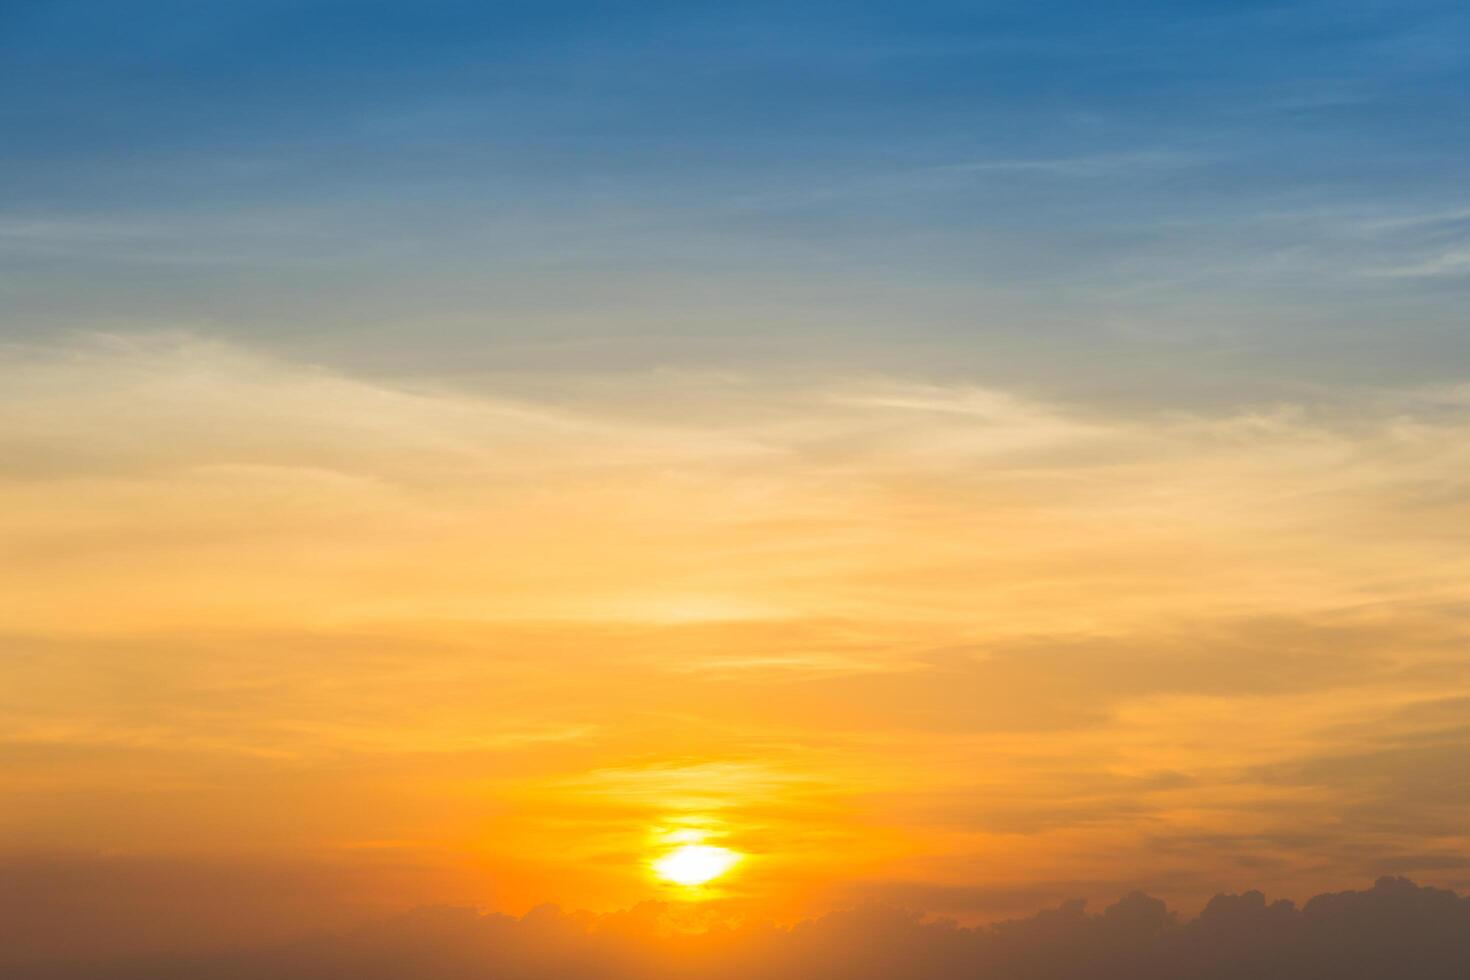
(962, 456)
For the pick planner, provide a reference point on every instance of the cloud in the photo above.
(1392, 930)
(1451, 263)
(903, 630)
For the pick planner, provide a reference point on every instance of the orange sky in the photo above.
(814, 468)
(952, 647)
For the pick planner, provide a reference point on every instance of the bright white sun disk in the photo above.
(695, 864)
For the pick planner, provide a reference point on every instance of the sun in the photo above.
(695, 864)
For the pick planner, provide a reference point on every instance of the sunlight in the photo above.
(695, 864)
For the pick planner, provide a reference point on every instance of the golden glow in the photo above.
(695, 864)
(526, 638)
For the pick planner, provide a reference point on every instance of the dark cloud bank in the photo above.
(1394, 930)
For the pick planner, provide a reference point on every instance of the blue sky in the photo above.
(1082, 198)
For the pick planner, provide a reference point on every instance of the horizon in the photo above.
(1381, 931)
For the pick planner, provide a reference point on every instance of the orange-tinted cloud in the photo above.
(873, 634)
(1394, 929)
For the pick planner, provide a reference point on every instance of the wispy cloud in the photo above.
(1452, 263)
(808, 605)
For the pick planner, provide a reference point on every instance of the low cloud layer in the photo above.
(1394, 930)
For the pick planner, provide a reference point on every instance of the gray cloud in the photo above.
(1393, 930)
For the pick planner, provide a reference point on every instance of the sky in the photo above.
(958, 456)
